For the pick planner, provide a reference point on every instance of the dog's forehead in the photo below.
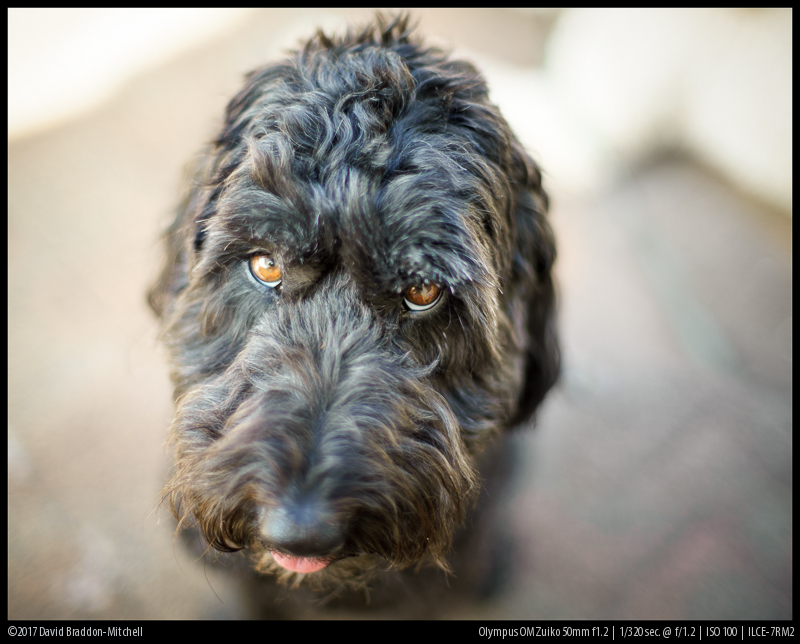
(372, 160)
(424, 223)
(414, 227)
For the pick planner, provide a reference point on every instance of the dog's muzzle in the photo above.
(330, 439)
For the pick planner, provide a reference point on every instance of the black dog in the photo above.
(357, 301)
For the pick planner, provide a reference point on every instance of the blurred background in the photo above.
(657, 483)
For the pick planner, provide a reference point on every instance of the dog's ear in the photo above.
(174, 275)
(535, 253)
(186, 234)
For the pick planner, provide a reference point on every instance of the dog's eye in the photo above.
(266, 270)
(422, 297)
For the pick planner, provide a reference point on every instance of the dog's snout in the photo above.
(304, 529)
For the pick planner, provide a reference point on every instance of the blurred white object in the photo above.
(717, 82)
(64, 61)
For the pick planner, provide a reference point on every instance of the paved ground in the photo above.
(658, 482)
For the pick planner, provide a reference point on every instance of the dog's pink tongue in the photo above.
(299, 564)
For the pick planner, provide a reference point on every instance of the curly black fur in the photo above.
(322, 418)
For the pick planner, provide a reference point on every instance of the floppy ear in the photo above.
(166, 288)
(186, 234)
(535, 252)
(179, 240)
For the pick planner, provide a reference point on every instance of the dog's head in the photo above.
(357, 298)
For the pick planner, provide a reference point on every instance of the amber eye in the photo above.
(422, 297)
(266, 270)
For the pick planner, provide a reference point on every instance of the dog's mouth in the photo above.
(303, 565)
(306, 565)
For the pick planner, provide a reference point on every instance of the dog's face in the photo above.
(357, 299)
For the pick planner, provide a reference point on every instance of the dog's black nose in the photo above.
(305, 529)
